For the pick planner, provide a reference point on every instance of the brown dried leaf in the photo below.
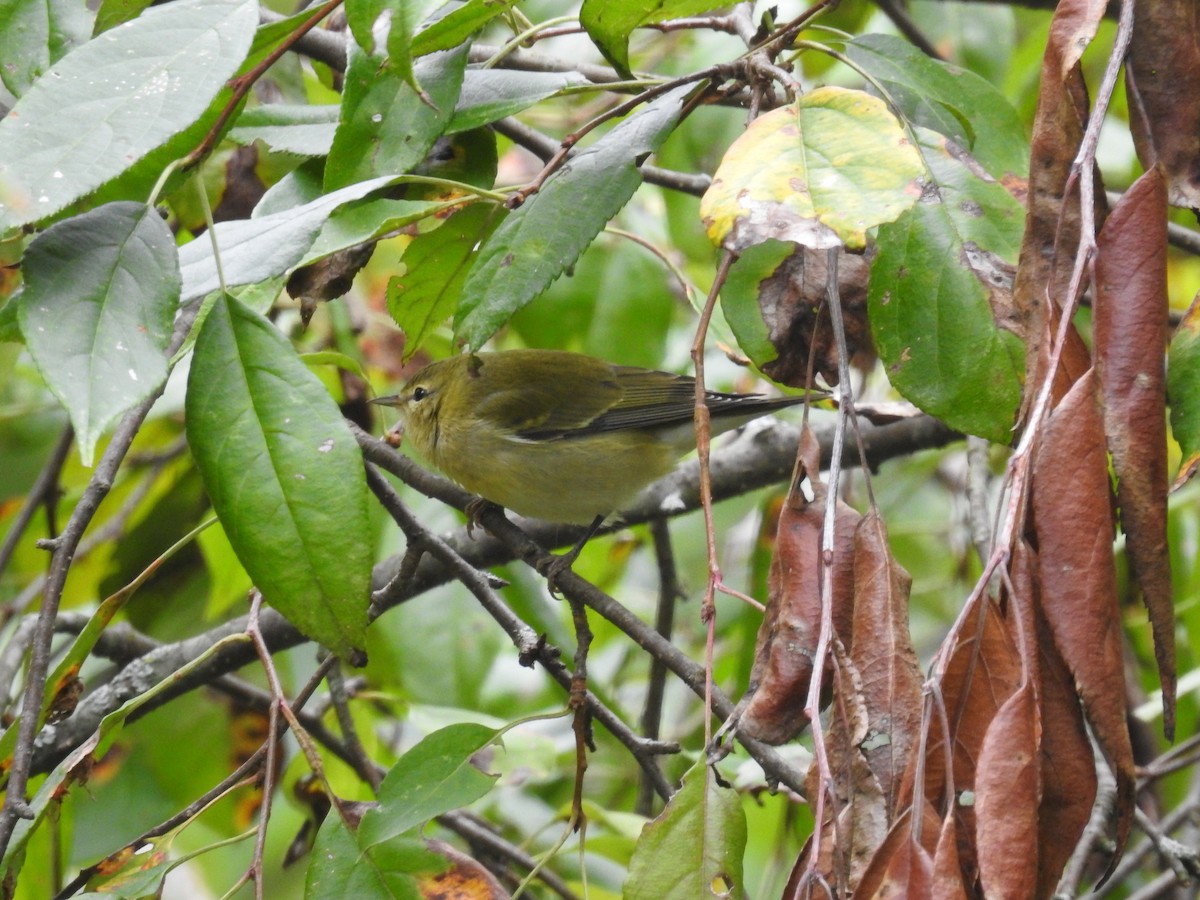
(903, 865)
(792, 303)
(1130, 314)
(881, 650)
(1164, 106)
(1074, 528)
(787, 638)
(1052, 219)
(1068, 768)
(849, 841)
(1007, 799)
(947, 877)
(983, 671)
(465, 879)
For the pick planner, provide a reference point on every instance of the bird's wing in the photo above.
(550, 400)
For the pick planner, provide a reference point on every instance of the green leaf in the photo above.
(609, 23)
(288, 128)
(141, 83)
(491, 94)
(939, 284)
(694, 848)
(544, 236)
(487, 95)
(117, 12)
(35, 34)
(136, 182)
(458, 25)
(819, 172)
(364, 220)
(339, 869)
(1183, 391)
(434, 777)
(100, 296)
(740, 297)
(10, 328)
(387, 126)
(283, 473)
(948, 99)
(260, 248)
(436, 265)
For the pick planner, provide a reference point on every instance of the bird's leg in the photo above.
(554, 567)
(474, 510)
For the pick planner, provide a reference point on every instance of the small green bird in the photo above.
(557, 435)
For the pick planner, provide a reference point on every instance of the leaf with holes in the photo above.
(694, 848)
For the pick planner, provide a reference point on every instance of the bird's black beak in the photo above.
(390, 400)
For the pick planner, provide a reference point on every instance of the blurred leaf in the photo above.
(1130, 332)
(112, 13)
(434, 777)
(819, 172)
(487, 95)
(546, 234)
(284, 474)
(939, 296)
(1164, 110)
(950, 100)
(1183, 389)
(491, 94)
(100, 297)
(435, 266)
(145, 81)
(694, 848)
(609, 23)
(34, 34)
(386, 127)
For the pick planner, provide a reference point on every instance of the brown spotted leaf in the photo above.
(1130, 314)
(787, 638)
(1074, 528)
(882, 651)
(1164, 106)
(1052, 219)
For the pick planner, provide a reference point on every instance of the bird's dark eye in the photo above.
(420, 393)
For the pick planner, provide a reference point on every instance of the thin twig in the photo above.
(64, 547)
(44, 490)
(664, 622)
(530, 646)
